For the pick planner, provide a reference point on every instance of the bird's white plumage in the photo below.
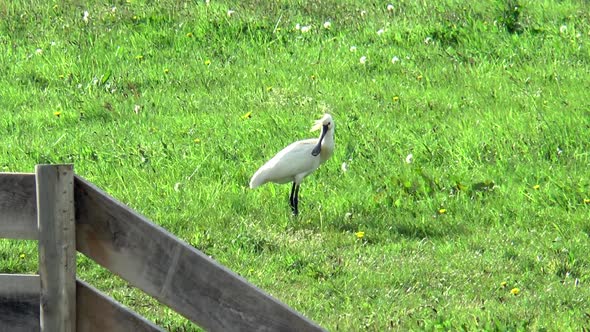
(296, 161)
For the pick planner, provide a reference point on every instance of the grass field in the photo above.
(171, 106)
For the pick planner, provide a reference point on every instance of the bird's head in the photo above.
(327, 124)
(324, 123)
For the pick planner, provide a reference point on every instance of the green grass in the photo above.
(148, 99)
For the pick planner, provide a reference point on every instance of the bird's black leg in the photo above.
(291, 198)
(296, 201)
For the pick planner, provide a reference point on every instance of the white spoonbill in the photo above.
(298, 160)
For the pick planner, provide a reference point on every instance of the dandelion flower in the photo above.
(305, 28)
(442, 211)
(389, 7)
(57, 113)
(395, 100)
(207, 62)
(363, 60)
(394, 60)
(327, 25)
(503, 284)
(536, 187)
(197, 140)
(22, 256)
(166, 70)
(515, 291)
(359, 234)
(353, 49)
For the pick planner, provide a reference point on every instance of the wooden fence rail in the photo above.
(131, 246)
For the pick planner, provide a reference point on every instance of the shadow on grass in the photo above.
(378, 227)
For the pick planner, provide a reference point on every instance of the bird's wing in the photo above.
(295, 159)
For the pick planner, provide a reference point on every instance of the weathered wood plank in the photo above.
(57, 247)
(19, 302)
(95, 312)
(175, 273)
(99, 313)
(18, 206)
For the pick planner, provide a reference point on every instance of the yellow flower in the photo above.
(359, 234)
(189, 35)
(22, 256)
(515, 291)
(57, 113)
(207, 62)
(536, 187)
(586, 200)
(442, 211)
(503, 284)
(197, 140)
(166, 70)
(247, 115)
(395, 99)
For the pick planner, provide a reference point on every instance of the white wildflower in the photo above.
(344, 167)
(390, 8)
(394, 60)
(327, 25)
(305, 28)
(563, 29)
(230, 13)
(85, 16)
(363, 60)
(353, 48)
(380, 32)
(409, 158)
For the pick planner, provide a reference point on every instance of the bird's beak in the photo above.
(318, 148)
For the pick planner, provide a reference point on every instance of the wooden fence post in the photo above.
(57, 247)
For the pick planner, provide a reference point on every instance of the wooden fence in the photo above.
(66, 213)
